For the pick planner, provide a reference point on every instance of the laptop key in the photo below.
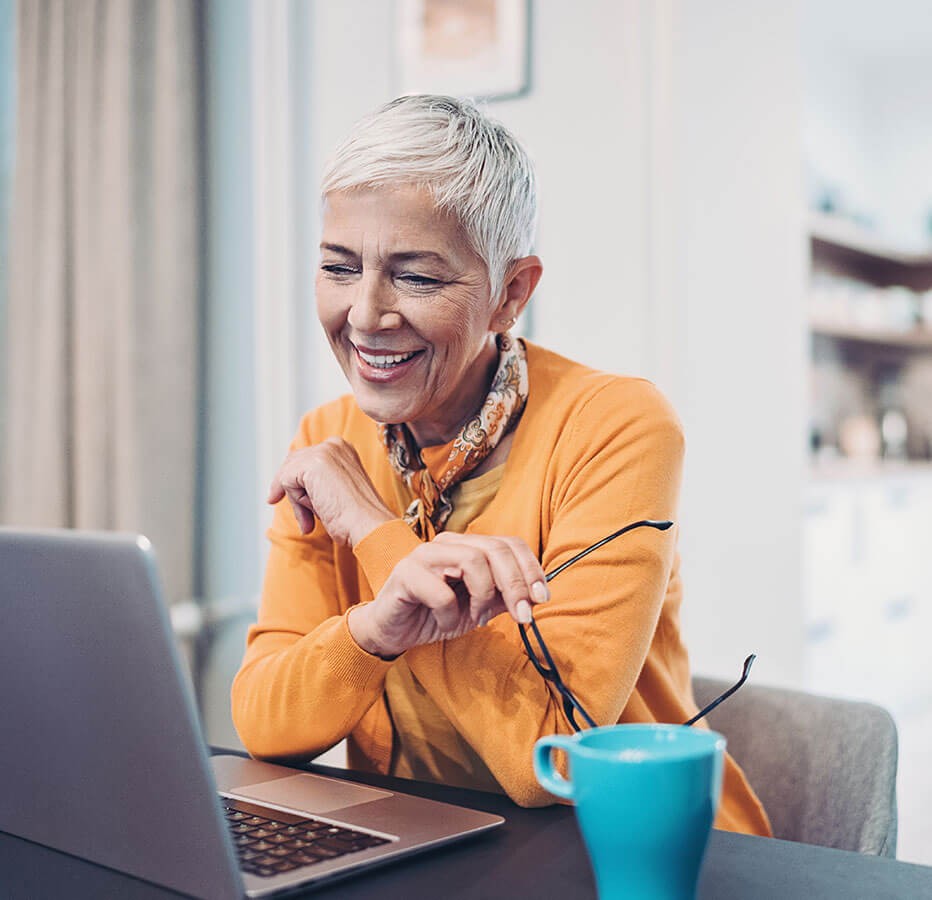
(370, 840)
(285, 865)
(335, 843)
(326, 852)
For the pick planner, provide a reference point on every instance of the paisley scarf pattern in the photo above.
(430, 472)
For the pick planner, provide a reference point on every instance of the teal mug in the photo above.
(645, 798)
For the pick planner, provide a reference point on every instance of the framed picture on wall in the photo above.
(471, 48)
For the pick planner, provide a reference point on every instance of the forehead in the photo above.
(392, 219)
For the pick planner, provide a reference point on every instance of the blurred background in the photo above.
(736, 203)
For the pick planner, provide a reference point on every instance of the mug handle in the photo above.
(543, 764)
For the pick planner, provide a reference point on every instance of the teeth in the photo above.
(383, 361)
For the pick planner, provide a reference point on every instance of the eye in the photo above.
(419, 281)
(340, 270)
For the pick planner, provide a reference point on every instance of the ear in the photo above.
(520, 280)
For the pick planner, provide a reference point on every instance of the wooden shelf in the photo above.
(919, 338)
(851, 238)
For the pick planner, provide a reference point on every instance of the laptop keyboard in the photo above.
(269, 842)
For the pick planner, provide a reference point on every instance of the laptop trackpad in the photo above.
(310, 793)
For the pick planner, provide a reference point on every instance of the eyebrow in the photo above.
(401, 256)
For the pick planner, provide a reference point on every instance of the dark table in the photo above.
(538, 854)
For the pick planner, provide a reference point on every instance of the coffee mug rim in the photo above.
(711, 741)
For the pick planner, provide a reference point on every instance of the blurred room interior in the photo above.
(736, 204)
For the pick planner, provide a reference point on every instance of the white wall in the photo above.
(585, 125)
(868, 84)
(862, 132)
(836, 127)
(898, 97)
(740, 263)
(667, 140)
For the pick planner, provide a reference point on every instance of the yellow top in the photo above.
(426, 746)
(591, 453)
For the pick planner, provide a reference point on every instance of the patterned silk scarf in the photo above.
(430, 472)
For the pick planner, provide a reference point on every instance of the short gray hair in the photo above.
(473, 166)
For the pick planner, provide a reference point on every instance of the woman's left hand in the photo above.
(327, 481)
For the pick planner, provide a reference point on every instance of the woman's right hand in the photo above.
(445, 589)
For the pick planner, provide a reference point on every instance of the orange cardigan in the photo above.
(591, 453)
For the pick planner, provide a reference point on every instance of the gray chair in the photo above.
(824, 769)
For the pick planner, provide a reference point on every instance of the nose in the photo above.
(373, 306)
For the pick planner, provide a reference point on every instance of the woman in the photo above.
(423, 511)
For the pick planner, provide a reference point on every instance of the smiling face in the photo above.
(405, 303)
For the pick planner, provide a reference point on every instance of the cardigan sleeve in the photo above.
(304, 683)
(620, 461)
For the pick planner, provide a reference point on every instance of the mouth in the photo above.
(382, 366)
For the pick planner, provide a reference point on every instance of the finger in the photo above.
(509, 578)
(304, 516)
(496, 609)
(276, 492)
(463, 562)
(479, 582)
(531, 568)
(422, 585)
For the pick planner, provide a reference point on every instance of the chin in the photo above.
(379, 410)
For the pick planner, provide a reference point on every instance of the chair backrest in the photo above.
(824, 769)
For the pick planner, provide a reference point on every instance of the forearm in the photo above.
(500, 712)
(296, 696)
(305, 682)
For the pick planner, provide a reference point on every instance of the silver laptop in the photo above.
(101, 754)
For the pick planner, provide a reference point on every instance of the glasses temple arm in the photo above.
(707, 709)
(649, 523)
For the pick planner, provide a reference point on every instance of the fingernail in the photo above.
(540, 591)
(484, 619)
(523, 611)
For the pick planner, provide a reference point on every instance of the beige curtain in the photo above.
(105, 265)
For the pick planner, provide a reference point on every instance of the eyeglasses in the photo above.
(548, 668)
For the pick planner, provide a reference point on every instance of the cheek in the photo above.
(330, 309)
(461, 323)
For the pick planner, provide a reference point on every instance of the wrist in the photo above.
(359, 623)
(367, 524)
